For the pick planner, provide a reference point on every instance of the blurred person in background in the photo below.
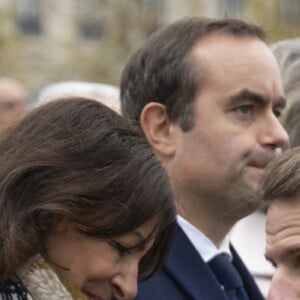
(85, 207)
(249, 236)
(105, 93)
(13, 97)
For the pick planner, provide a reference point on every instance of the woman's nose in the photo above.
(124, 284)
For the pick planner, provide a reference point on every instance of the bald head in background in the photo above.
(12, 101)
(106, 94)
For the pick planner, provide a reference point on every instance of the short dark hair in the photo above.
(282, 176)
(162, 69)
(77, 159)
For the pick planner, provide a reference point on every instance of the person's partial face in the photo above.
(99, 268)
(12, 102)
(236, 131)
(283, 248)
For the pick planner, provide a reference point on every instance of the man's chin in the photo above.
(254, 175)
(248, 195)
(254, 194)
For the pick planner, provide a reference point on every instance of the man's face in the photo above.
(283, 248)
(236, 130)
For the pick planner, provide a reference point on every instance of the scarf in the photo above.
(43, 283)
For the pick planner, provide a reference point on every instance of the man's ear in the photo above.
(158, 129)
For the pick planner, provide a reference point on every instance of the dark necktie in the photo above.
(228, 277)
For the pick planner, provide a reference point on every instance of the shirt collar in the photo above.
(204, 246)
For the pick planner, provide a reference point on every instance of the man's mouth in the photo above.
(261, 161)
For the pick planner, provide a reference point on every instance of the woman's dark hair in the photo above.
(79, 160)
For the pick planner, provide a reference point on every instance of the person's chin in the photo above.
(252, 181)
(252, 177)
(93, 296)
(255, 173)
(249, 187)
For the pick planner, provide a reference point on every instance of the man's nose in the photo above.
(273, 134)
(124, 283)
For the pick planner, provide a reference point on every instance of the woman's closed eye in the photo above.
(137, 249)
(121, 249)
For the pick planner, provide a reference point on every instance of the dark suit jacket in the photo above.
(186, 276)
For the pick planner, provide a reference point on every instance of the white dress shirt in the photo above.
(249, 239)
(204, 246)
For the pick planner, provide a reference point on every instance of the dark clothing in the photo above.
(12, 290)
(186, 276)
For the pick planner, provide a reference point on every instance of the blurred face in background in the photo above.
(12, 101)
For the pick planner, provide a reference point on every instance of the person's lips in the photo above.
(261, 161)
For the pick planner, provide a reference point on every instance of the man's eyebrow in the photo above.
(254, 96)
(268, 258)
(280, 103)
(292, 251)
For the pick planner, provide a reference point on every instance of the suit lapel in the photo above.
(187, 268)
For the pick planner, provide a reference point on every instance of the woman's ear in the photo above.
(158, 129)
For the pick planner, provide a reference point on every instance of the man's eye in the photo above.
(244, 109)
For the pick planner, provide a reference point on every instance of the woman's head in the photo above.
(76, 164)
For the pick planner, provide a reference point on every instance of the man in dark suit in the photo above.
(207, 94)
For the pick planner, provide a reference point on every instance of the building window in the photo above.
(28, 16)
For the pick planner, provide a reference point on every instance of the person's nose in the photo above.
(282, 288)
(124, 283)
(273, 134)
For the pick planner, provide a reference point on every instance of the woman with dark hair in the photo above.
(85, 207)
